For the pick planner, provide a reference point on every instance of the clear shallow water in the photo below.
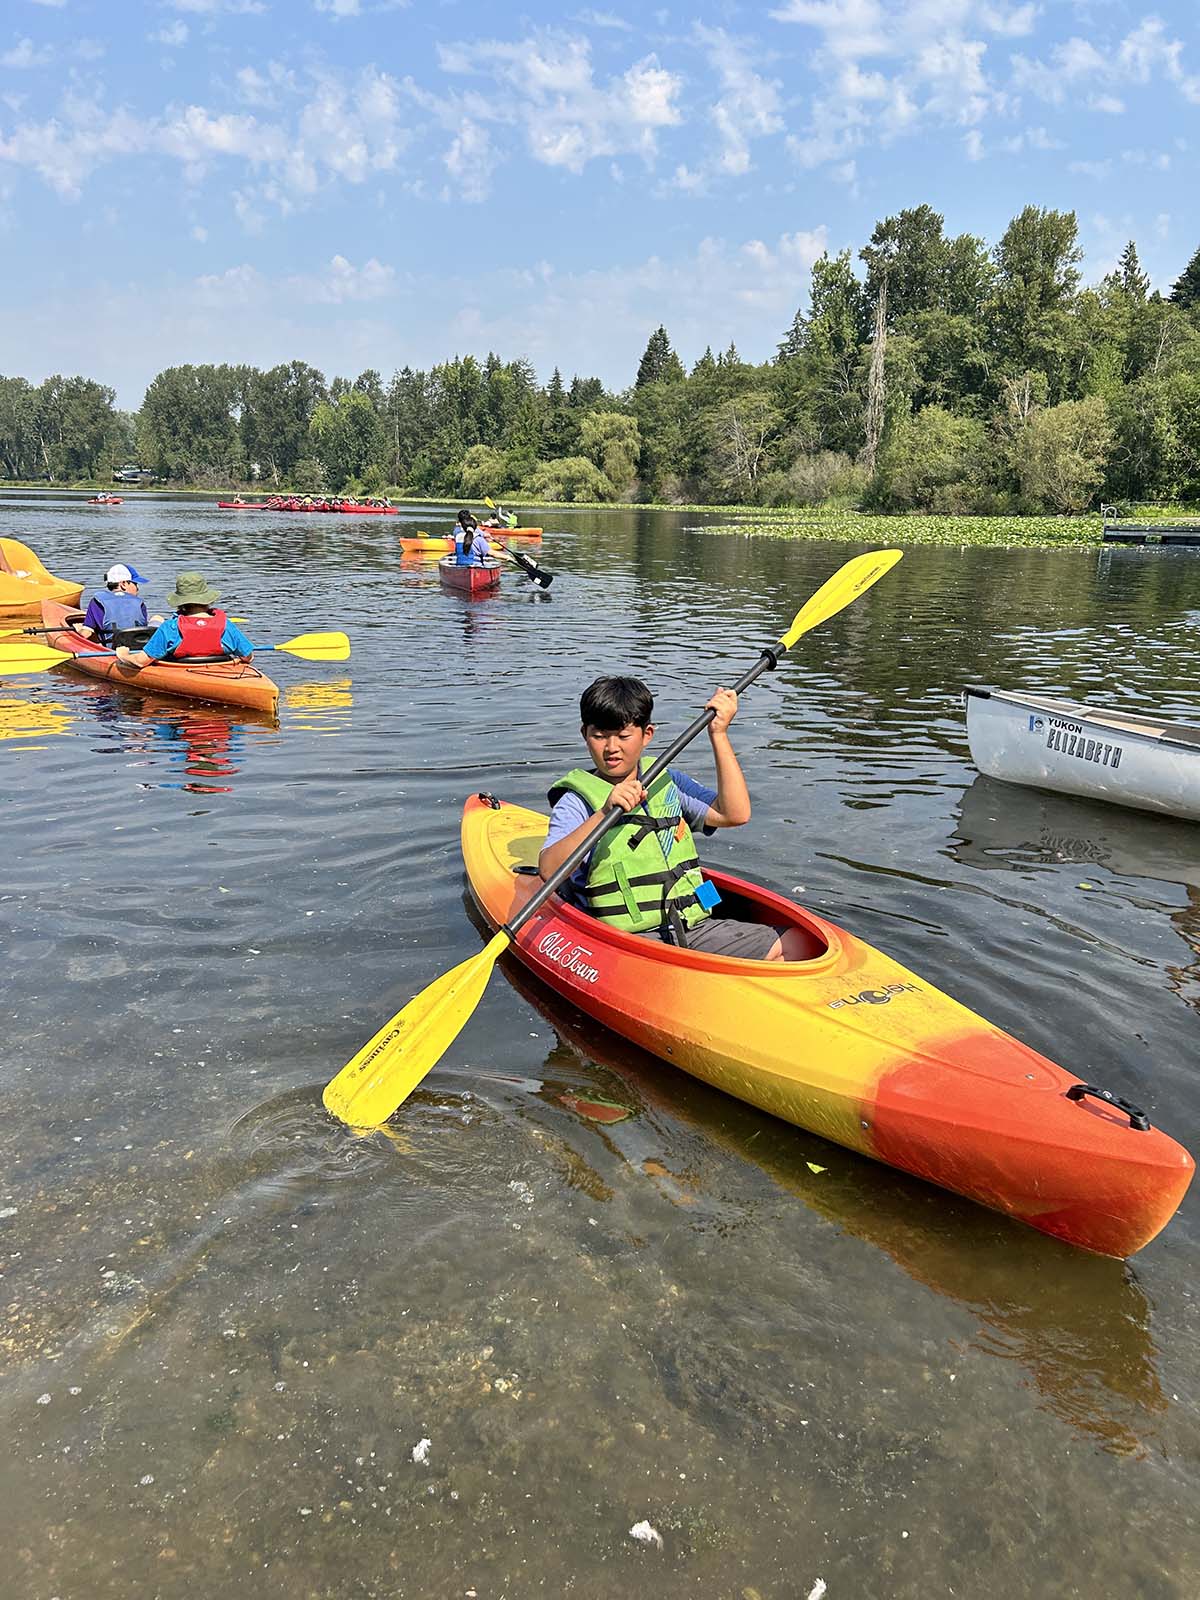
(793, 1363)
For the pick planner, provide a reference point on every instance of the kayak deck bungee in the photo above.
(470, 578)
(851, 1045)
(232, 683)
(25, 582)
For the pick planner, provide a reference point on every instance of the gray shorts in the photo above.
(723, 936)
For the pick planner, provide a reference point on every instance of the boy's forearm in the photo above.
(732, 804)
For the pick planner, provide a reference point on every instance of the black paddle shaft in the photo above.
(767, 662)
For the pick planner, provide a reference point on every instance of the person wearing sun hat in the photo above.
(198, 628)
(116, 608)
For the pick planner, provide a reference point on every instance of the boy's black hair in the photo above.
(614, 703)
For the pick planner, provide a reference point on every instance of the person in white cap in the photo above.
(117, 607)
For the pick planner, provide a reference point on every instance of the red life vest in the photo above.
(199, 634)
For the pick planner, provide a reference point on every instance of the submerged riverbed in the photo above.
(229, 1323)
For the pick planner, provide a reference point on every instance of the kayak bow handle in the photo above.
(1137, 1117)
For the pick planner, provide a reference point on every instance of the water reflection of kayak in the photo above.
(849, 1044)
(1078, 1323)
(1002, 826)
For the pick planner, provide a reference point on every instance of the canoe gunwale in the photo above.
(1155, 731)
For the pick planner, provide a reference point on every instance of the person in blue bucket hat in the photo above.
(116, 608)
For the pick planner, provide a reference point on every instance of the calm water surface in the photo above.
(228, 1322)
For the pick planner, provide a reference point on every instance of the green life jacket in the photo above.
(644, 872)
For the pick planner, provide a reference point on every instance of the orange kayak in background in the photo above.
(424, 545)
(230, 683)
(25, 583)
(850, 1045)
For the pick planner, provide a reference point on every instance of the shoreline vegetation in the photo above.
(944, 380)
(812, 522)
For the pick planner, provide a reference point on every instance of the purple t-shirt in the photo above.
(570, 811)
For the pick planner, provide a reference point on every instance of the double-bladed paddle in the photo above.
(390, 1065)
(17, 658)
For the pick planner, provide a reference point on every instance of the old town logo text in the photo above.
(570, 956)
(872, 997)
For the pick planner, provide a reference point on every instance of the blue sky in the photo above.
(372, 183)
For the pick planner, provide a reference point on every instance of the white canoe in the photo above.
(1106, 755)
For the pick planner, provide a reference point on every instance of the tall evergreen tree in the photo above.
(1186, 289)
(1129, 270)
(792, 343)
(659, 363)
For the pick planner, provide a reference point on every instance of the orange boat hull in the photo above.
(228, 683)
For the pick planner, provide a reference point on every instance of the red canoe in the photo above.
(470, 579)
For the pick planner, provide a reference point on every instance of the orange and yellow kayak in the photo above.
(229, 683)
(436, 545)
(25, 583)
(851, 1045)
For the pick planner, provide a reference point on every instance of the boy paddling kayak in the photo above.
(644, 875)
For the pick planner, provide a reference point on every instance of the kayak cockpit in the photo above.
(740, 901)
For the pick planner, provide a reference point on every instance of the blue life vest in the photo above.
(120, 611)
(476, 555)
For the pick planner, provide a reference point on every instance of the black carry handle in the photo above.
(1137, 1117)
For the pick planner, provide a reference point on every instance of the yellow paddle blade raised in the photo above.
(317, 646)
(390, 1066)
(16, 659)
(836, 593)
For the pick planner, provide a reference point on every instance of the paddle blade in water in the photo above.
(390, 1066)
(837, 592)
(317, 646)
(20, 658)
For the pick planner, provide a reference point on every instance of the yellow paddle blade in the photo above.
(489, 502)
(390, 1066)
(317, 646)
(16, 659)
(846, 584)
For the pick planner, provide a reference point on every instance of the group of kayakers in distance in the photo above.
(116, 618)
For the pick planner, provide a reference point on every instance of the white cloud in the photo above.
(264, 89)
(343, 282)
(1012, 24)
(470, 161)
(25, 54)
(208, 8)
(1141, 55)
(236, 286)
(338, 8)
(851, 28)
(173, 34)
(749, 106)
(200, 234)
(603, 19)
(53, 5)
(1107, 103)
(568, 118)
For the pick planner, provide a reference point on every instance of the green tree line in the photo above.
(933, 374)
